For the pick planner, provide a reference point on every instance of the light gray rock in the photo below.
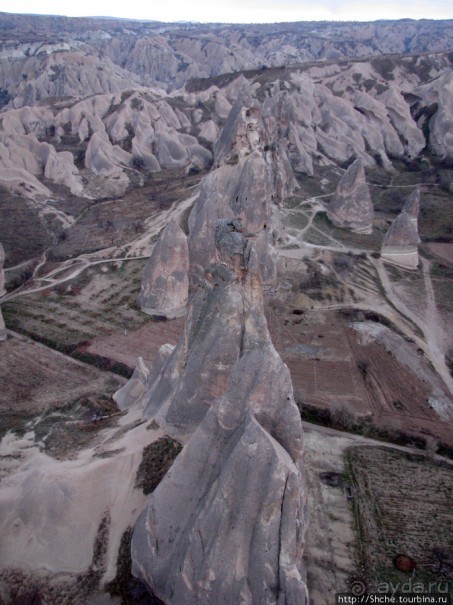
(236, 491)
(242, 191)
(2, 293)
(254, 128)
(400, 244)
(441, 125)
(402, 232)
(226, 524)
(351, 206)
(412, 205)
(243, 133)
(400, 116)
(133, 390)
(165, 284)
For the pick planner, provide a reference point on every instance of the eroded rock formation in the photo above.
(252, 178)
(165, 283)
(400, 244)
(235, 493)
(2, 292)
(135, 388)
(351, 206)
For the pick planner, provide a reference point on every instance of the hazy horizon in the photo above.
(237, 11)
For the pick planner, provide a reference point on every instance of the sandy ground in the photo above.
(144, 342)
(35, 378)
(51, 511)
(329, 552)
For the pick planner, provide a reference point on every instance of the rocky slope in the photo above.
(380, 111)
(225, 390)
(171, 54)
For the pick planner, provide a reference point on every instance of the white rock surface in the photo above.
(400, 244)
(135, 388)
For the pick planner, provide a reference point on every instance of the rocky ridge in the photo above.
(171, 54)
(318, 115)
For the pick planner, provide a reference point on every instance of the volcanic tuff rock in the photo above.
(437, 94)
(400, 244)
(165, 283)
(198, 369)
(2, 292)
(252, 178)
(134, 389)
(243, 191)
(105, 54)
(235, 493)
(113, 134)
(412, 205)
(322, 114)
(350, 206)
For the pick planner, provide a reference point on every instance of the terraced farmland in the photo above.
(402, 506)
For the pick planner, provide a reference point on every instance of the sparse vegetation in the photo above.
(157, 459)
(130, 590)
(401, 507)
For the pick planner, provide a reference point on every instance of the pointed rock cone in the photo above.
(197, 371)
(412, 204)
(134, 389)
(243, 133)
(400, 244)
(226, 524)
(165, 284)
(350, 206)
(141, 381)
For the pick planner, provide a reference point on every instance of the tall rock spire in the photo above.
(226, 524)
(350, 206)
(165, 283)
(236, 492)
